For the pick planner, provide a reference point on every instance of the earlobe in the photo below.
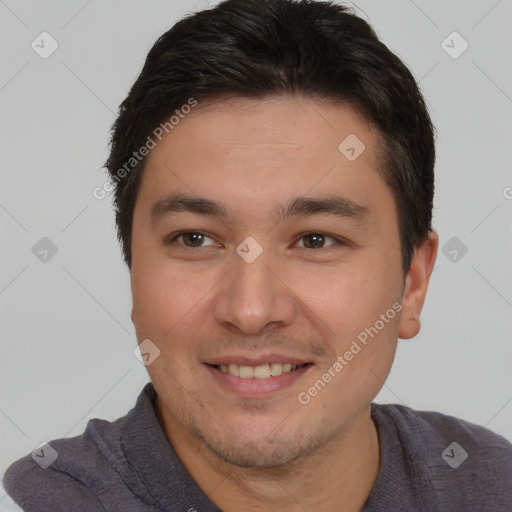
(416, 285)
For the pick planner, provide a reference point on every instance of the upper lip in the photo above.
(256, 360)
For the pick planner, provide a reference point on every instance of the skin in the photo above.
(297, 298)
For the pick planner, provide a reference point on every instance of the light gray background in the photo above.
(66, 336)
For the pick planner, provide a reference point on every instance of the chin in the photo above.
(256, 454)
(254, 450)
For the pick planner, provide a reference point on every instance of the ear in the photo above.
(132, 315)
(416, 284)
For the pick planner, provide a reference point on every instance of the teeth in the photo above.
(276, 369)
(263, 371)
(246, 372)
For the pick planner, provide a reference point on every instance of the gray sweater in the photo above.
(129, 466)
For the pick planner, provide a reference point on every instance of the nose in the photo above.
(255, 297)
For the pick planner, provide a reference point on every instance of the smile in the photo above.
(257, 381)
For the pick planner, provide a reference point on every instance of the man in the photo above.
(273, 174)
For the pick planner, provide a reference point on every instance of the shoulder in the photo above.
(67, 474)
(454, 458)
(35, 490)
(36, 487)
(442, 428)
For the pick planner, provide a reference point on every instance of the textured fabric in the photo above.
(128, 466)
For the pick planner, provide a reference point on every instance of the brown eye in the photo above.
(316, 240)
(191, 239)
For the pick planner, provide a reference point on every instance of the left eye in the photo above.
(316, 240)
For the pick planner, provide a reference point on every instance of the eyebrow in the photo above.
(298, 207)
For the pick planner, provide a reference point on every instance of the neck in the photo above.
(339, 475)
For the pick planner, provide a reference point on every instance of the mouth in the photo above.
(257, 380)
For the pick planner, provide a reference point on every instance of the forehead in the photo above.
(268, 147)
(282, 122)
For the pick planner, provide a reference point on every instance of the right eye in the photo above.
(190, 239)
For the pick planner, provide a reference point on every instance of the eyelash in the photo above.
(171, 239)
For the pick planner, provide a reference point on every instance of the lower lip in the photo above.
(256, 388)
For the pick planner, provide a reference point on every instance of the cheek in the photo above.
(346, 298)
(350, 303)
(165, 297)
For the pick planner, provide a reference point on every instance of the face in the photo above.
(262, 254)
